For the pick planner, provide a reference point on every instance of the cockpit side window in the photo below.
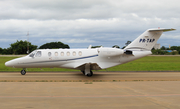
(38, 54)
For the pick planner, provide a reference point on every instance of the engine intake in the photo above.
(128, 52)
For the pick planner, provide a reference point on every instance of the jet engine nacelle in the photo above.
(110, 52)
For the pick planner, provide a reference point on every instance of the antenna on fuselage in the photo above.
(27, 42)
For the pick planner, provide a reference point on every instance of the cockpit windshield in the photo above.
(35, 54)
(32, 54)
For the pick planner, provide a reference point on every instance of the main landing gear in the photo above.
(87, 71)
(88, 74)
(23, 72)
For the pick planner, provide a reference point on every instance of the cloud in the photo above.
(84, 9)
(83, 22)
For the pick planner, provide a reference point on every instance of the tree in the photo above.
(163, 48)
(127, 43)
(115, 46)
(1, 50)
(176, 48)
(96, 46)
(52, 45)
(159, 52)
(20, 47)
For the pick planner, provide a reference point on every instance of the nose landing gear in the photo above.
(23, 72)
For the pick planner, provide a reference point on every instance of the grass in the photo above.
(149, 63)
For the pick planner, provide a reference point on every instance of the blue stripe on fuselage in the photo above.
(63, 59)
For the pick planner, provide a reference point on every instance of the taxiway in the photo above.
(105, 90)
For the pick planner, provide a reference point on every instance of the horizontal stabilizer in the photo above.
(164, 30)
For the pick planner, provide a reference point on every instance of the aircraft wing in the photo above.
(93, 66)
(96, 66)
(81, 66)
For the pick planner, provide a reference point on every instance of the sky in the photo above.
(80, 23)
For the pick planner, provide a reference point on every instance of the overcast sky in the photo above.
(80, 23)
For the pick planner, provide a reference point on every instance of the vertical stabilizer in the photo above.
(147, 40)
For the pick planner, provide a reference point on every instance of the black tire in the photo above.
(91, 74)
(23, 72)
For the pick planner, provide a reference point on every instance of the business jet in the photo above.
(89, 59)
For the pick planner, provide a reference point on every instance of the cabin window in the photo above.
(68, 53)
(80, 53)
(62, 53)
(74, 53)
(49, 54)
(56, 53)
(38, 54)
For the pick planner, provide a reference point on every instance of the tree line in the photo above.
(174, 50)
(22, 47)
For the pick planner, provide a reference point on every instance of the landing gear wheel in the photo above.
(23, 72)
(90, 74)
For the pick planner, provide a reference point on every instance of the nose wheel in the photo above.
(23, 72)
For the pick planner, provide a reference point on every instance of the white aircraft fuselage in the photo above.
(89, 59)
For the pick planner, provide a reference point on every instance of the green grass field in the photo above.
(149, 63)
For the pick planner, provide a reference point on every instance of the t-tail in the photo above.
(147, 40)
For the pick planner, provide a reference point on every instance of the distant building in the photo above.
(157, 46)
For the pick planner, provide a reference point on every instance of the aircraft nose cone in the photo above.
(15, 62)
(9, 64)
